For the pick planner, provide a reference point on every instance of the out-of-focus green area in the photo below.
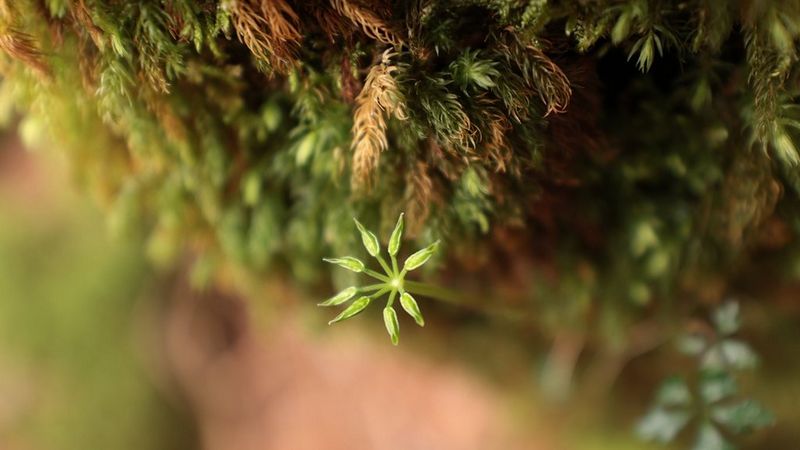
(72, 375)
(70, 371)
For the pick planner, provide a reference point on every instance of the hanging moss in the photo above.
(588, 164)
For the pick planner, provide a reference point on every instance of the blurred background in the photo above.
(100, 351)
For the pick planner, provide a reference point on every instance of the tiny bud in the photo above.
(370, 240)
(348, 262)
(340, 298)
(392, 325)
(410, 306)
(397, 236)
(421, 257)
(356, 307)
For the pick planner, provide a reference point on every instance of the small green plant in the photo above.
(710, 400)
(392, 282)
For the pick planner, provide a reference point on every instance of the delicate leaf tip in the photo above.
(727, 318)
(421, 257)
(410, 306)
(340, 298)
(368, 238)
(397, 236)
(347, 262)
(392, 325)
(356, 307)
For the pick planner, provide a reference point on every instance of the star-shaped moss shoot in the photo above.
(391, 282)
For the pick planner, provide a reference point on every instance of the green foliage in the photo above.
(69, 339)
(623, 159)
(713, 403)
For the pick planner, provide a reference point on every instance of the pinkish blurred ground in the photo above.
(284, 389)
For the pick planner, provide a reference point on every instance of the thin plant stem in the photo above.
(376, 275)
(384, 265)
(463, 301)
(429, 290)
(380, 292)
(372, 287)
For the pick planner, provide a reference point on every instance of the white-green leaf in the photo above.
(410, 306)
(662, 425)
(716, 386)
(348, 262)
(738, 354)
(370, 240)
(356, 307)
(674, 392)
(742, 417)
(392, 325)
(692, 344)
(731, 353)
(340, 298)
(421, 257)
(709, 438)
(726, 318)
(397, 236)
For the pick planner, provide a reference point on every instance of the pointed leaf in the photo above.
(348, 262)
(692, 344)
(356, 307)
(674, 392)
(730, 353)
(716, 386)
(709, 438)
(621, 28)
(662, 425)
(340, 298)
(421, 257)
(742, 417)
(370, 240)
(726, 318)
(410, 306)
(392, 325)
(738, 354)
(397, 236)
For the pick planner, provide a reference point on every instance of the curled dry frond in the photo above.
(549, 80)
(332, 23)
(749, 195)
(6, 9)
(269, 28)
(372, 25)
(419, 196)
(22, 47)
(541, 74)
(771, 34)
(495, 143)
(380, 95)
(82, 20)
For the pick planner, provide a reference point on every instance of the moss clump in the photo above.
(598, 157)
